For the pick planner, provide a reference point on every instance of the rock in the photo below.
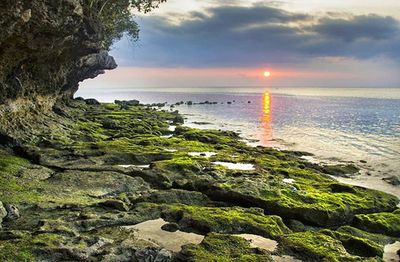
(115, 204)
(393, 180)
(92, 101)
(382, 223)
(170, 227)
(175, 196)
(3, 213)
(296, 225)
(38, 173)
(129, 102)
(189, 103)
(12, 213)
(109, 124)
(12, 234)
(178, 120)
(341, 170)
(26, 15)
(153, 255)
(219, 247)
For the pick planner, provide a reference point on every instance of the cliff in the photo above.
(46, 48)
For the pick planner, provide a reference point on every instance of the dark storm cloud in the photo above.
(256, 35)
(371, 26)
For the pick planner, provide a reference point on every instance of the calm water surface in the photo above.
(337, 125)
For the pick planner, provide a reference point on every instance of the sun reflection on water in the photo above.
(266, 118)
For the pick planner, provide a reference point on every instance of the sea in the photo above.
(337, 125)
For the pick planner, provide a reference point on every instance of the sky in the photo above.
(304, 43)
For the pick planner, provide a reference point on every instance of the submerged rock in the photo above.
(393, 180)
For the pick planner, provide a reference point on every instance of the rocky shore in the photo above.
(85, 181)
(99, 169)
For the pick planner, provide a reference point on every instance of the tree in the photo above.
(116, 17)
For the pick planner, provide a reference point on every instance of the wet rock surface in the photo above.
(73, 194)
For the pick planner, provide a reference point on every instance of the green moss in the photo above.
(356, 245)
(48, 240)
(226, 220)
(382, 223)
(314, 246)
(10, 164)
(17, 250)
(341, 170)
(312, 197)
(377, 238)
(222, 138)
(223, 248)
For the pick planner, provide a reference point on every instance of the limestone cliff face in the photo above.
(46, 48)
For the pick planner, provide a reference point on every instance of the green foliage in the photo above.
(116, 18)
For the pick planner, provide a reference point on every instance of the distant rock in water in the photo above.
(341, 170)
(92, 101)
(129, 102)
(393, 180)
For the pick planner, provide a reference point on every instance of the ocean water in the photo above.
(335, 124)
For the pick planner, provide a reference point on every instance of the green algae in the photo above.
(383, 223)
(106, 135)
(223, 248)
(317, 246)
(10, 164)
(226, 220)
(356, 245)
(312, 197)
(17, 250)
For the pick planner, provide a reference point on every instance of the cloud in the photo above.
(366, 26)
(258, 35)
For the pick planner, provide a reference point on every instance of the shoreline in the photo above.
(105, 166)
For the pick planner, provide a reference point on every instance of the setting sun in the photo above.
(267, 74)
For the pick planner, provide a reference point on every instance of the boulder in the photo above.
(12, 213)
(178, 120)
(115, 204)
(153, 255)
(92, 101)
(393, 180)
(170, 227)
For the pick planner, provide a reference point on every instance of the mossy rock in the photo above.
(356, 245)
(230, 220)
(382, 223)
(312, 198)
(223, 248)
(341, 170)
(317, 246)
(377, 238)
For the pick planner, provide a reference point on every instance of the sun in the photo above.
(267, 74)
